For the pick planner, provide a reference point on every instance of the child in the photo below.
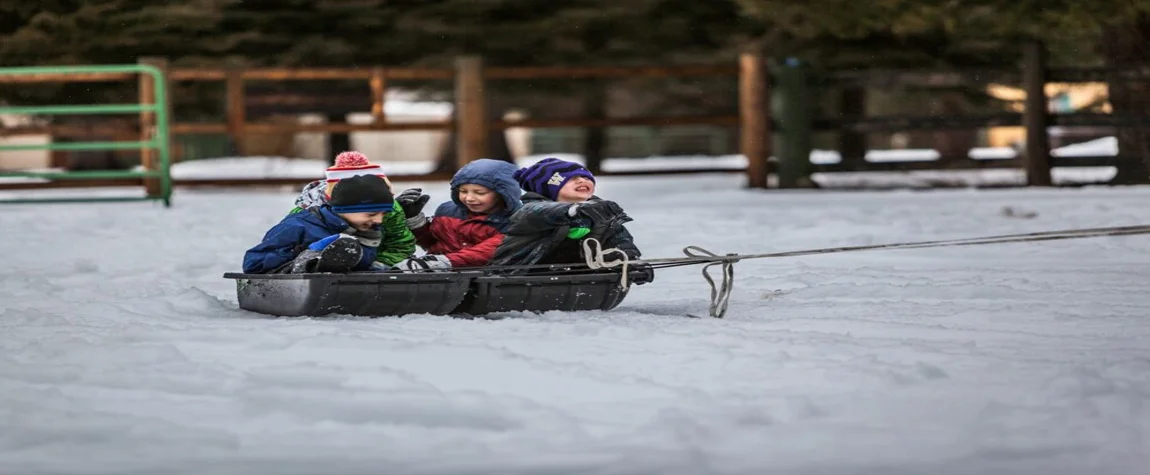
(397, 242)
(465, 231)
(339, 236)
(560, 210)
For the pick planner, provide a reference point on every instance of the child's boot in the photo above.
(335, 253)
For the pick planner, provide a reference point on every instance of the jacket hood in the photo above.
(497, 175)
(314, 194)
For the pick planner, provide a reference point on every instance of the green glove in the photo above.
(578, 233)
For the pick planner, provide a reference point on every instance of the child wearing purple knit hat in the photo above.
(559, 211)
(557, 180)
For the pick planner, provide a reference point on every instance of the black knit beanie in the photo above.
(361, 194)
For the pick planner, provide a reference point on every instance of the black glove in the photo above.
(603, 213)
(412, 201)
(641, 273)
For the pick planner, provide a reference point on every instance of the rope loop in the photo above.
(593, 253)
(720, 295)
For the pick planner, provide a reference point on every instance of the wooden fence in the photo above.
(773, 115)
(471, 122)
(1032, 76)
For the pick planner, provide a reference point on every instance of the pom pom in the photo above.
(351, 159)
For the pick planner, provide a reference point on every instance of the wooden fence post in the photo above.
(754, 121)
(237, 114)
(378, 96)
(1035, 116)
(147, 93)
(470, 111)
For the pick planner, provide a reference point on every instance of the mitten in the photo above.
(578, 232)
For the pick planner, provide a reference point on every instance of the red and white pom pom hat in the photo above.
(349, 164)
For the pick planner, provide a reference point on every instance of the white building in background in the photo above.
(403, 145)
(23, 159)
(392, 146)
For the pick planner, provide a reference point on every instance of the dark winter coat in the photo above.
(464, 238)
(286, 240)
(538, 235)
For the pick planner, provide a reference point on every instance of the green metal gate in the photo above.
(158, 140)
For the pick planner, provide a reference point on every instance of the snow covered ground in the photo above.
(122, 349)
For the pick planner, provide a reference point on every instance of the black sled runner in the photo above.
(381, 294)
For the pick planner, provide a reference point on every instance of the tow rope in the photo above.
(721, 293)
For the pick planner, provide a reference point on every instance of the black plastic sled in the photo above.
(381, 294)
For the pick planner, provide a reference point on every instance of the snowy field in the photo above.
(122, 350)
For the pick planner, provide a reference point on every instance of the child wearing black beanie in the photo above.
(341, 235)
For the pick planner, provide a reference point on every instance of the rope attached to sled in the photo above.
(595, 259)
(1000, 239)
(593, 252)
(721, 293)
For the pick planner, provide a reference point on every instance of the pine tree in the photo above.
(74, 32)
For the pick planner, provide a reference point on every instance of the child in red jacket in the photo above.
(465, 231)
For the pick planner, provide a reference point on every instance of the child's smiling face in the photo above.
(479, 199)
(576, 190)
(364, 221)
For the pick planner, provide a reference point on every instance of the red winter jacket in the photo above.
(465, 239)
(469, 240)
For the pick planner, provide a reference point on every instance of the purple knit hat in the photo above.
(549, 175)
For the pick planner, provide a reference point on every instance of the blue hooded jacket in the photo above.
(286, 240)
(496, 175)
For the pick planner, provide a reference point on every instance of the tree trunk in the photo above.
(852, 145)
(595, 138)
(1125, 45)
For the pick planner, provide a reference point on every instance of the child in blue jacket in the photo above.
(340, 236)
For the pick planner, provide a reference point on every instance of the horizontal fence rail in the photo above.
(774, 119)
